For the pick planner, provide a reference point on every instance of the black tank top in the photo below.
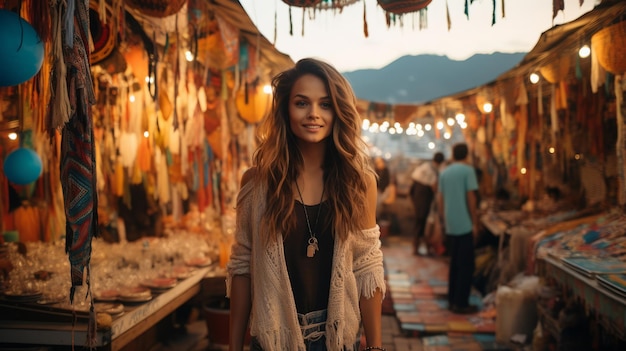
(310, 276)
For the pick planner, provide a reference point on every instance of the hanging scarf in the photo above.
(77, 166)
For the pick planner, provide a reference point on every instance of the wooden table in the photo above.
(126, 329)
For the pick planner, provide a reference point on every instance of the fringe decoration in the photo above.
(365, 30)
(423, 18)
(503, 12)
(92, 324)
(290, 22)
(275, 26)
(303, 18)
(466, 11)
(493, 13)
(60, 101)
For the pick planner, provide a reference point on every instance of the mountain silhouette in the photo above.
(422, 78)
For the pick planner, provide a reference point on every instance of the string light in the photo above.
(584, 51)
(189, 56)
(488, 107)
(534, 78)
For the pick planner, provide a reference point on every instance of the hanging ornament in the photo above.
(302, 3)
(22, 50)
(22, 166)
(400, 7)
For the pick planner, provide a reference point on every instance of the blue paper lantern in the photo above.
(22, 50)
(22, 166)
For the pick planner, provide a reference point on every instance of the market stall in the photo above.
(122, 146)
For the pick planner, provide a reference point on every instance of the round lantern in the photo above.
(22, 50)
(257, 105)
(557, 69)
(609, 44)
(156, 8)
(22, 166)
(403, 6)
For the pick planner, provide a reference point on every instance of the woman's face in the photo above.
(311, 113)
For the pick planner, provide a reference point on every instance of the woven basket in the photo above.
(156, 8)
(609, 46)
(302, 3)
(403, 6)
(556, 70)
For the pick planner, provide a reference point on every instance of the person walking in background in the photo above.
(422, 193)
(383, 184)
(306, 217)
(457, 201)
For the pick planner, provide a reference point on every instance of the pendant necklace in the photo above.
(312, 247)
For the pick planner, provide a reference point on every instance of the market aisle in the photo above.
(417, 288)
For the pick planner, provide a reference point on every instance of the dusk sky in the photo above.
(338, 37)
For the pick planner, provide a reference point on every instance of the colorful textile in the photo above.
(77, 166)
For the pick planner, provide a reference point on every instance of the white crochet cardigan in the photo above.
(357, 271)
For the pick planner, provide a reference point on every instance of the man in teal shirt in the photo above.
(457, 197)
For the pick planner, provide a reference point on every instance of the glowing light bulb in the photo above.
(534, 78)
(584, 51)
(487, 107)
(188, 56)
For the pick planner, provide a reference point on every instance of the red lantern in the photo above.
(302, 3)
(400, 7)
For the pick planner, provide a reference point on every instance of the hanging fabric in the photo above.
(365, 30)
(557, 5)
(449, 22)
(77, 165)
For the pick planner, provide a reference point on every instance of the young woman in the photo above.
(306, 268)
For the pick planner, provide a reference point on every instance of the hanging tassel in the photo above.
(448, 16)
(466, 11)
(92, 324)
(102, 11)
(423, 18)
(303, 16)
(503, 12)
(493, 13)
(290, 22)
(365, 31)
(275, 26)
(60, 111)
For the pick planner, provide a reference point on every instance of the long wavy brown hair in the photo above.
(278, 160)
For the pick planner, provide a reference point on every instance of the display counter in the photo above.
(136, 320)
(609, 307)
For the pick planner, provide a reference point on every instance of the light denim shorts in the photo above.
(313, 327)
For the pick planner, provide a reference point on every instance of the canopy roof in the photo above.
(567, 37)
